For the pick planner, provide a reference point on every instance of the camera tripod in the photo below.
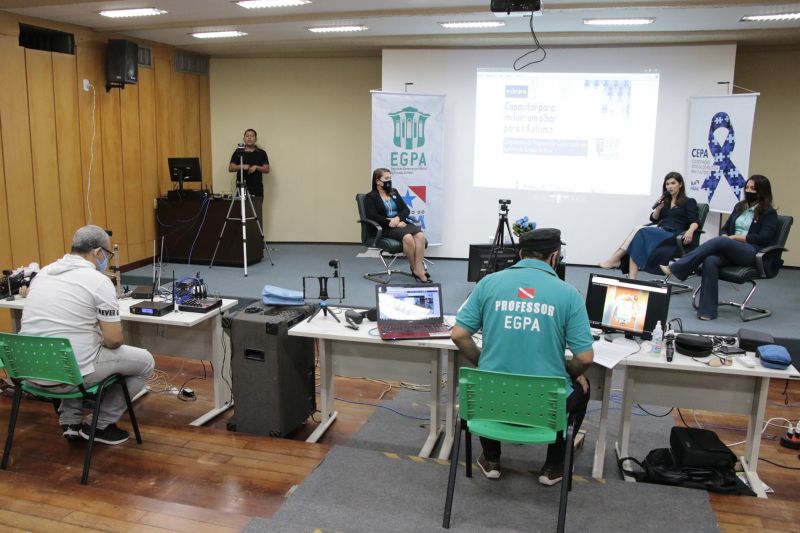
(241, 195)
(497, 243)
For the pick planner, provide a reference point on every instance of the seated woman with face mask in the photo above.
(384, 205)
(753, 224)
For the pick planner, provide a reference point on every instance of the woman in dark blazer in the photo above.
(753, 224)
(647, 247)
(384, 205)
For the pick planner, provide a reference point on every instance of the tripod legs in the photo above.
(240, 196)
(260, 230)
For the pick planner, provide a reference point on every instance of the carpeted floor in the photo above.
(293, 261)
(377, 483)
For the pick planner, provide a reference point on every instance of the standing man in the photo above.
(255, 163)
(528, 317)
(73, 299)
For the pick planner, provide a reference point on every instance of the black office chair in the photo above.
(682, 249)
(741, 275)
(378, 245)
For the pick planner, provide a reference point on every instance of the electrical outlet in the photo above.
(86, 85)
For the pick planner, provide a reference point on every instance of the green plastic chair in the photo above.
(511, 408)
(29, 358)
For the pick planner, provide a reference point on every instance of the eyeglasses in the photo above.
(109, 252)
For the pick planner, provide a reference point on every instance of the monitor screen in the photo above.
(184, 169)
(409, 302)
(627, 305)
(480, 256)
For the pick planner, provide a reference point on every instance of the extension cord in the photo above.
(791, 441)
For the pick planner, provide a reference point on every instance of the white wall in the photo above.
(592, 225)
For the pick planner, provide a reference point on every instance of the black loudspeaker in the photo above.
(122, 63)
(272, 373)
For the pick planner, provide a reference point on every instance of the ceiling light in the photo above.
(256, 4)
(770, 18)
(473, 24)
(218, 34)
(141, 12)
(619, 22)
(336, 29)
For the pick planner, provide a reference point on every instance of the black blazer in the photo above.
(763, 231)
(373, 205)
(677, 219)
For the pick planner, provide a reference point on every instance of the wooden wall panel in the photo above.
(163, 86)
(111, 142)
(90, 67)
(150, 162)
(205, 131)
(20, 203)
(178, 116)
(44, 154)
(5, 245)
(65, 91)
(132, 171)
(191, 125)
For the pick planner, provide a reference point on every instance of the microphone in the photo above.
(663, 198)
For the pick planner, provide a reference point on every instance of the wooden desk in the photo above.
(191, 228)
(191, 335)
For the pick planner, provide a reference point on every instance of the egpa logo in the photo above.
(409, 128)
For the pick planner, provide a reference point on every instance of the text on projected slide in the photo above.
(565, 132)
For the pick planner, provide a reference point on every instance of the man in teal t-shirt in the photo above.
(528, 317)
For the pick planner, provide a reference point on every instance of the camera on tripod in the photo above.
(337, 289)
(504, 206)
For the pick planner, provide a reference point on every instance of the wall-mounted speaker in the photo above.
(122, 63)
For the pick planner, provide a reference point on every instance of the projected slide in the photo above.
(565, 132)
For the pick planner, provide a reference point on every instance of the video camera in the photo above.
(504, 206)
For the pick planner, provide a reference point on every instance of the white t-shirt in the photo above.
(67, 299)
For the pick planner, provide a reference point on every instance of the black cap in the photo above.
(543, 240)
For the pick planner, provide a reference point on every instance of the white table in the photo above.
(359, 353)
(190, 335)
(684, 382)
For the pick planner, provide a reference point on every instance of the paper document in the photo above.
(608, 354)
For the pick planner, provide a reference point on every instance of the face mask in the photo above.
(387, 186)
(751, 197)
(102, 265)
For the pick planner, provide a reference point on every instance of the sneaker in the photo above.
(71, 431)
(490, 469)
(551, 474)
(111, 434)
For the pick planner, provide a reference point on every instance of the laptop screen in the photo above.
(409, 303)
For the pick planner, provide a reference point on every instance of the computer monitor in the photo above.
(626, 306)
(480, 254)
(183, 169)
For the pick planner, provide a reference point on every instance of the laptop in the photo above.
(412, 311)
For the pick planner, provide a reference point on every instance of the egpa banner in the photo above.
(408, 139)
(718, 158)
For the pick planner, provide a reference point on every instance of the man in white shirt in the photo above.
(73, 299)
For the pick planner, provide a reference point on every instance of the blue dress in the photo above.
(655, 245)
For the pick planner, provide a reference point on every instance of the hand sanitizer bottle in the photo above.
(658, 339)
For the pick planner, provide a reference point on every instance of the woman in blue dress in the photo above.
(753, 224)
(647, 247)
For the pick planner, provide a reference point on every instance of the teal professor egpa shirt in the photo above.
(528, 317)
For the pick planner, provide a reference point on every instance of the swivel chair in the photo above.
(378, 245)
(682, 249)
(749, 274)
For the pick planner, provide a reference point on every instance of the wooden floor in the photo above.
(208, 479)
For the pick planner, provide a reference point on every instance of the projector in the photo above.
(515, 8)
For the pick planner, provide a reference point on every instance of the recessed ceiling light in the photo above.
(141, 12)
(770, 18)
(336, 29)
(218, 34)
(256, 4)
(619, 22)
(473, 24)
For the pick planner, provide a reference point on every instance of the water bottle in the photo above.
(658, 339)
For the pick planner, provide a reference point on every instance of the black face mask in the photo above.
(387, 186)
(751, 197)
